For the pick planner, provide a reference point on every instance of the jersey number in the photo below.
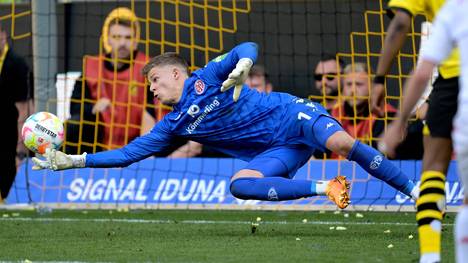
(301, 115)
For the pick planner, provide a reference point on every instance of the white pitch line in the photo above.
(159, 221)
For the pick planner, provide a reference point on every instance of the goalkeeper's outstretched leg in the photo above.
(251, 184)
(371, 160)
(268, 177)
(335, 139)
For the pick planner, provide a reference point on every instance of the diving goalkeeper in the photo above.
(275, 133)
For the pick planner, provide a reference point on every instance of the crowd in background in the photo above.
(111, 104)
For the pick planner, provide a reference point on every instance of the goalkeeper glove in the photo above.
(57, 160)
(237, 77)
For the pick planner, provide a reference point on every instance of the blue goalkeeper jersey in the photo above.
(242, 129)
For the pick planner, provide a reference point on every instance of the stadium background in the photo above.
(292, 36)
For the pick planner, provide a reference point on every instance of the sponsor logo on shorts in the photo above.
(272, 195)
(199, 87)
(329, 125)
(375, 164)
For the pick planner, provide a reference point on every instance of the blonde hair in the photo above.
(168, 58)
(356, 67)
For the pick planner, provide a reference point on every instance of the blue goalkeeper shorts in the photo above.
(284, 161)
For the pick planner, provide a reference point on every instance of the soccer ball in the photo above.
(42, 130)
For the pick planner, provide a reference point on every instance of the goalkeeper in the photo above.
(276, 133)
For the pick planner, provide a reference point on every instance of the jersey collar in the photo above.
(188, 83)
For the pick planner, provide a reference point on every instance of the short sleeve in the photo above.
(413, 7)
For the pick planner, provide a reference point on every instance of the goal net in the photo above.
(293, 37)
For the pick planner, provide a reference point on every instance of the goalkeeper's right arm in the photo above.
(57, 160)
(142, 147)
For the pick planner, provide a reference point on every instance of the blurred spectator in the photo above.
(327, 79)
(355, 117)
(258, 79)
(112, 96)
(16, 105)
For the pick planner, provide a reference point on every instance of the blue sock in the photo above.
(272, 188)
(380, 167)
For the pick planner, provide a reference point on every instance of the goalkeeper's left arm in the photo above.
(142, 147)
(232, 68)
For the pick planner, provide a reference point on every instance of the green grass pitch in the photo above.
(213, 236)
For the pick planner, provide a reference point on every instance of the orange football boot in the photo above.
(337, 191)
